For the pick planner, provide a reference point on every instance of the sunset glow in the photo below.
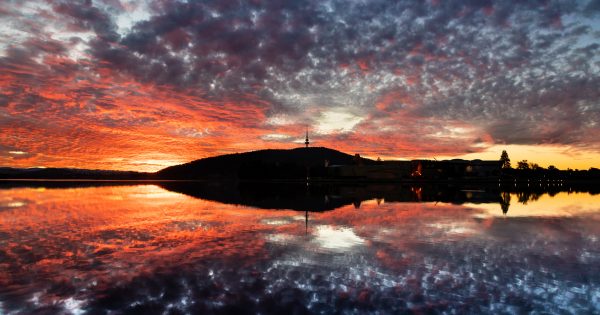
(141, 85)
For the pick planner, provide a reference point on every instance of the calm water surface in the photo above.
(148, 250)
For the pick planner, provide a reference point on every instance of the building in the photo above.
(418, 170)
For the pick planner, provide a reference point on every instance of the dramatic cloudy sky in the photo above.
(122, 84)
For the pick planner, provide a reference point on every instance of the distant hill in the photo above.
(263, 164)
(68, 173)
(298, 164)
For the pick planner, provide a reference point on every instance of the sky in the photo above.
(140, 85)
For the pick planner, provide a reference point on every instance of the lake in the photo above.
(176, 248)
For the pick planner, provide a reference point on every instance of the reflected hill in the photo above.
(294, 196)
(329, 196)
(323, 197)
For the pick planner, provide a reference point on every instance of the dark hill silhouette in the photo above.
(298, 164)
(291, 164)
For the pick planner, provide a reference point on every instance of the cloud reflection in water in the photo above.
(146, 250)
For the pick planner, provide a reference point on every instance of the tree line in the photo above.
(531, 170)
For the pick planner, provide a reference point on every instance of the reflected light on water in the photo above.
(341, 238)
(145, 249)
(560, 205)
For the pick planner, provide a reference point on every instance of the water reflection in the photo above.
(323, 197)
(183, 248)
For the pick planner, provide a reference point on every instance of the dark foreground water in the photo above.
(159, 249)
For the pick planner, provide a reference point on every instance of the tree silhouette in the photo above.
(522, 165)
(535, 166)
(505, 159)
(505, 203)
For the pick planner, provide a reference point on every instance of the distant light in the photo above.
(17, 152)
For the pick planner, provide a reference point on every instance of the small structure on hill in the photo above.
(306, 142)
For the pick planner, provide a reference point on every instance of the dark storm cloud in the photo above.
(477, 54)
(86, 16)
(593, 7)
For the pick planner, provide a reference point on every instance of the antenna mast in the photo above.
(306, 142)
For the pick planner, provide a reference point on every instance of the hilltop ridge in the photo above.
(314, 164)
(259, 164)
(268, 163)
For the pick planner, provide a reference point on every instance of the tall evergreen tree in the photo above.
(505, 159)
